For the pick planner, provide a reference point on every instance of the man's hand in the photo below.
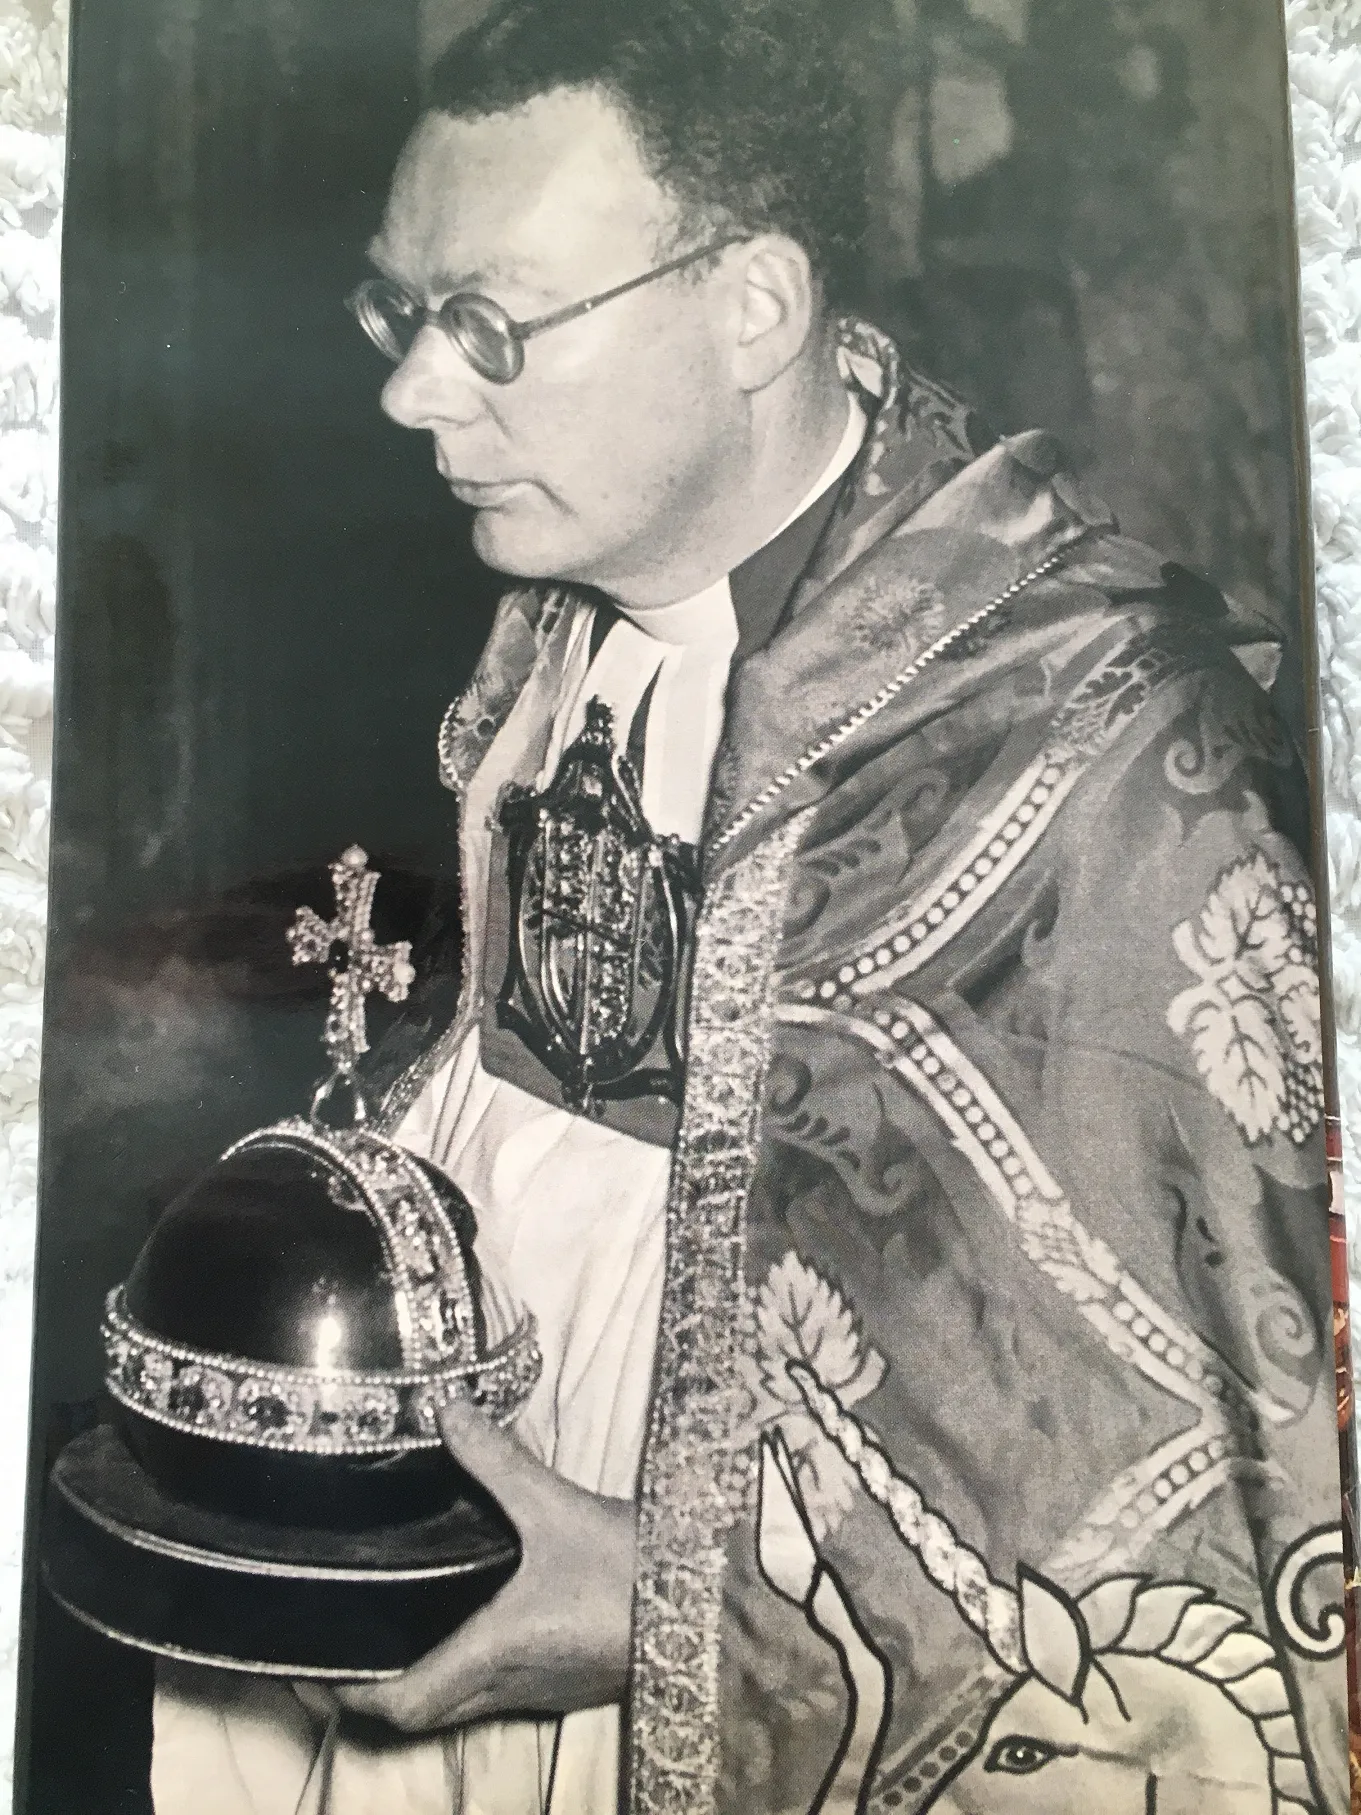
(557, 1635)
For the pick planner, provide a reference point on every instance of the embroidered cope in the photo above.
(967, 1334)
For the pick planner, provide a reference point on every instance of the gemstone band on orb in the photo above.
(305, 1411)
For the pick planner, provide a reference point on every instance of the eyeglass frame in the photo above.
(517, 332)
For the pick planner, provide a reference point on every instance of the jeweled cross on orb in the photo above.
(358, 964)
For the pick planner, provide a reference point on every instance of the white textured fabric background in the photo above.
(32, 107)
(1325, 61)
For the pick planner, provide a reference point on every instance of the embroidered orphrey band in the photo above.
(697, 1481)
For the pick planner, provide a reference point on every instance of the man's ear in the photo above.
(777, 307)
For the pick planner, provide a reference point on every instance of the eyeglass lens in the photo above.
(478, 327)
(389, 317)
(484, 335)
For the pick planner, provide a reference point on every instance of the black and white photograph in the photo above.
(690, 1143)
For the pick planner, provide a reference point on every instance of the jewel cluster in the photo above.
(436, 1316)
(318, 1412)
(239, 1401)
(334, 1411)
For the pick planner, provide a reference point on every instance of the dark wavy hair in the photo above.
(740, 107)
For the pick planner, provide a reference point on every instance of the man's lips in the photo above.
(484, 494)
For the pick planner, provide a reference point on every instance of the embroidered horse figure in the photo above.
(788, 1556)
(1139, 1698)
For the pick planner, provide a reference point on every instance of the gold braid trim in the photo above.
(698, 1478)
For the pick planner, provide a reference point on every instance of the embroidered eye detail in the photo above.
(1019, 1755)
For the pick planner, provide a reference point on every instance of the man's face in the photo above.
(596, 463)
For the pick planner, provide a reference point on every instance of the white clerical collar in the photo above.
(707, 616)
(847, 449)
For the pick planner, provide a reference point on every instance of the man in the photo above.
(888, 1062)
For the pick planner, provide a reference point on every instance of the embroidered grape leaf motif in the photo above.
(801, 1317)
(1253, 1019)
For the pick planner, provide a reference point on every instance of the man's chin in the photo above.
(508, 542)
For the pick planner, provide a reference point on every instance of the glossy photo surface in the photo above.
(689, 1149)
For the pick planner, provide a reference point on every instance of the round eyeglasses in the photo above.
(488, 338)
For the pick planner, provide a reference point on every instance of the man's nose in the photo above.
(434, 384)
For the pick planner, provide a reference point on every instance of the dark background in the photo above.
(1081, 219)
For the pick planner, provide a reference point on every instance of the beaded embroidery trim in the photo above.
(824, 747)
(1108, 700)
(945, 907)
(697, 1477)
(1217, 1444)
(306, 1411)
